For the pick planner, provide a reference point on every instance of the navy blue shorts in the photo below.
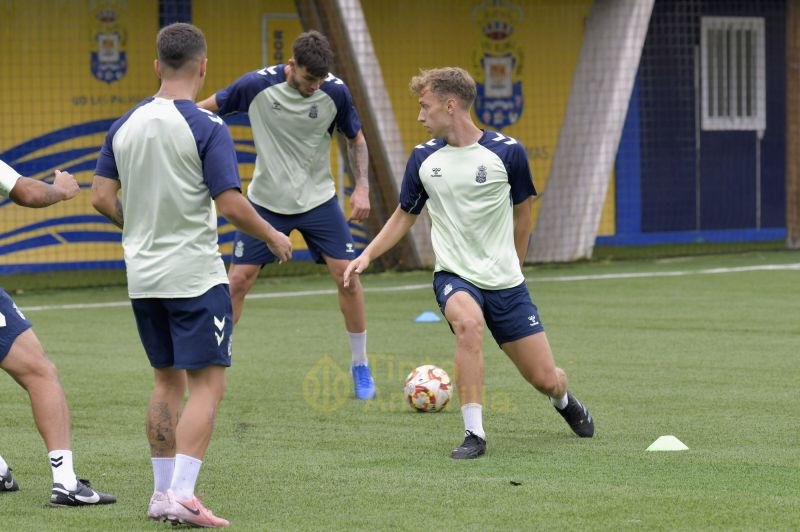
(186, 332)
(324, 229)
(510, 314)
(12, 323)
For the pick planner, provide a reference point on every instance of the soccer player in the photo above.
(293, 110)
(22, 357)
(171, 158)
(478, 187)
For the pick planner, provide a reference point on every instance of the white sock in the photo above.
(163, 467)
(3, 467)
(561, 404)
(61, 466)
(185, 476)
(473, 419)
(358, 346)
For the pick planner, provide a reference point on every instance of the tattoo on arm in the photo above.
(358, 156)
(117, 218)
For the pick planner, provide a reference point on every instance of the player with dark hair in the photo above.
(294, 109)
(22, 357)
(478, 187)
(173, 162)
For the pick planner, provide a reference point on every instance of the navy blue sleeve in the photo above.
(215, 146)
(519, 173)
(106, 163)
(412, 194)
(236, 98)
(347, 120)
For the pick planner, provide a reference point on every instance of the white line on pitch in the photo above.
(546, 279)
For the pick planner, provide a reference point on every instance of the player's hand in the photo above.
(359, 204)
(281, 246)
(355, 268)
(66, 183)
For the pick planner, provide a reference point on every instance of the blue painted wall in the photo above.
(658, 159)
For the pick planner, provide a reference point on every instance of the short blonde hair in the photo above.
(443, 82)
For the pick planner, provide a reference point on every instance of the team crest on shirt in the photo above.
(314, 111)
(480, 176)
(238, 249)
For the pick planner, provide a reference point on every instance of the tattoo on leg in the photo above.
(161, 429)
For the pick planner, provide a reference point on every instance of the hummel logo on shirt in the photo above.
(505, 140)
(211, 116)
(437, 172)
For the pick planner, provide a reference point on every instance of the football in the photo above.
(428, 388)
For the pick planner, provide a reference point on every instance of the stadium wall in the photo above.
(77, 65)
(678, 183)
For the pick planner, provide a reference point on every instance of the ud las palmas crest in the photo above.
(109, 63)
(497, 64)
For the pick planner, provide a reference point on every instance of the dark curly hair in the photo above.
(313, 51)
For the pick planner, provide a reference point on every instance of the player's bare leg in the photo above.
(192, 435)
(164, 410)
(466, 319)
(351, 298)
(162, 420)
(28, 365)
(351, 303)
(241, 277)
(534, 360)
(196, 424)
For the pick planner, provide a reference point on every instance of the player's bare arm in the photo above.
(34, 193)
(105, 199)
(395, 229)
(522, 228)
(233, 206)
(209, 104)
(358, 156)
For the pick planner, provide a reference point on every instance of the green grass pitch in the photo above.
(711, 358)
